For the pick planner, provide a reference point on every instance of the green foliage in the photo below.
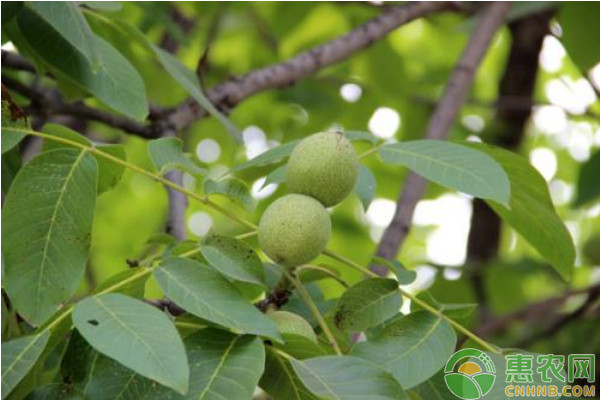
(234, 259)
(234, 189)
(13, 121)
(207, 294)
(167, 155)
(401, 346)
(367, 304)
(365, 186)
(580, 27)
(588, 184)
(18, 356)
(99, 302)
(47, 222)
(452, 165)
(346, 377)
(123, 329)
(531, 212)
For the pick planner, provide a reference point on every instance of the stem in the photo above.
(425, 306)
(315, 311)
(143, 272)
(350, 263)
(367, 153)
(327, 272)
(203, 199)
(486, 345)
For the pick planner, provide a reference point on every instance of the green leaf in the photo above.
(588, 184)
(347, 378)
(13, 120)
(270, 156)
(404, 276)
(115, 82)
(361, 136)
(126, 329)
(11, 164)
(531, 211)
(167, 155)
(205, 293)
(66, 19)
(452, 165)
(276, 176)
(234, 259)
(455, 311)
(367, 304)
(412, 349)
(223, 366)
(102, 5)
(10, 9)
(365, 186)
(46, 227)
(108, 380)
(280, 380)
(109, 172)
(233, 189)
(56, 391)
(189, 81)
(18, 356)
(579, 22)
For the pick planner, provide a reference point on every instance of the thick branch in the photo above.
(230, 93)
(455, 94)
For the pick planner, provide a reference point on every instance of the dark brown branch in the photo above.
(592, 302)
(46, 102)
(230, 93)
(455, 94)
(169, 42)
(14, 61)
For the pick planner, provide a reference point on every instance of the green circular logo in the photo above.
(470, 374)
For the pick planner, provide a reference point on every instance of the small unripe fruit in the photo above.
(323, 166)
(292, 324)
(294, 229)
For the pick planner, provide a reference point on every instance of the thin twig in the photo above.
(315, 311)
(201, 198)
(492, 18)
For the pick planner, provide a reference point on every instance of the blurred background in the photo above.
(536, 93)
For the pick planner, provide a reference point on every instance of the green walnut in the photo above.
(292, 324)
(294, 229)
(323, 166)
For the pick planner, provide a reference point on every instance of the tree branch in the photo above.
(539, 312)
(178, 202)
(455, 94)
(228, 94)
